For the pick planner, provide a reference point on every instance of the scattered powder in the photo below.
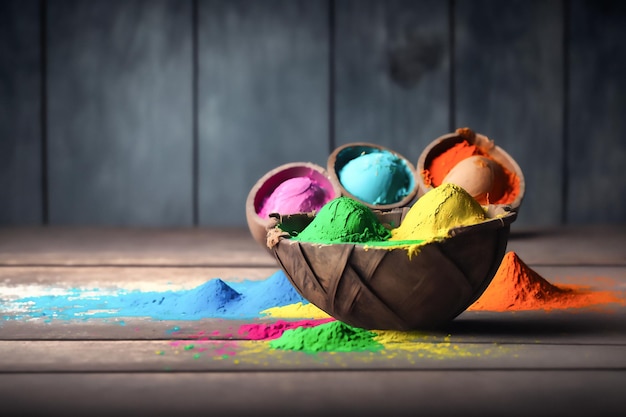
(275, 330)
(339, 337)
(426, 346)
(518, 287)
(344, 220)
(213, 299)
(296, 311)
(334, 336)
(441, 165)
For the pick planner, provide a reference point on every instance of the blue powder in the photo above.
(213, 299)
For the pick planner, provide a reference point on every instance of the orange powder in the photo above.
(517, 287)
(441, 165)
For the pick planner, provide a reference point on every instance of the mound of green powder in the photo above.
(334, 336)
(344, 220)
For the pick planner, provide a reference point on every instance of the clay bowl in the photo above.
(345, 153)
(383, 289)
(488, 147)
(264, 187)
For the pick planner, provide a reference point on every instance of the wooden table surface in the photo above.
(521, 363)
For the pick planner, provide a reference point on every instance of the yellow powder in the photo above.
(420, 345)
(296, 311)
(396, 336)
(436, 212)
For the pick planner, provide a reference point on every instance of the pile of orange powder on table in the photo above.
(518, 287)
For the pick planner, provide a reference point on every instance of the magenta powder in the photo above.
(276, 330)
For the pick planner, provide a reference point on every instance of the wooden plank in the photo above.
(128, 329)
(26, 280)
(596, 146)
(20, 101)
(366, 393)
(603, 324)
(235, 247)
(262, 96)
(120, 112)
(392, 73)
(509, 86)
(134, 246)
(562, 328)
(145, 356)
(574, 245)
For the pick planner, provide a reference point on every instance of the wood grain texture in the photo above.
(597, 104)
(598, 325)
(263, 95)
(508, 68)
(570, 245)
(120, 112)
(391, 73)
(20, 113)
(563, 328)
(146, 356)
(486, 393)
(489, 364)
(68, 246)
(235, 247)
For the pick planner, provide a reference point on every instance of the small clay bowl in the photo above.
(487, 146)
(264, 187)
(383, 289)
(345, 153)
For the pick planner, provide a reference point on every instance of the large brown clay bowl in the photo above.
(383, 289)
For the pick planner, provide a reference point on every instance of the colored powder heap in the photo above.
(296, 311)
(334, 336)
(295, 195)
(442, 164)
(438, 211)
(275, 330)
(213, 299)
(344, 220)
(377, 177)
(518, 287)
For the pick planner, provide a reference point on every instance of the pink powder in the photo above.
(275, 330)
(226, 349)
(295, 195)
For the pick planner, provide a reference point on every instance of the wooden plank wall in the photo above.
(21, 193)
(165, 112)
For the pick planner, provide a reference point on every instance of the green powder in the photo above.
(344, 220)
(334, 336)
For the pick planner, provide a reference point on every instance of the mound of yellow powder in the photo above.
(436, 212)
(296, 311)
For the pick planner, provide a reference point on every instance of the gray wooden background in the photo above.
(165, 112)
